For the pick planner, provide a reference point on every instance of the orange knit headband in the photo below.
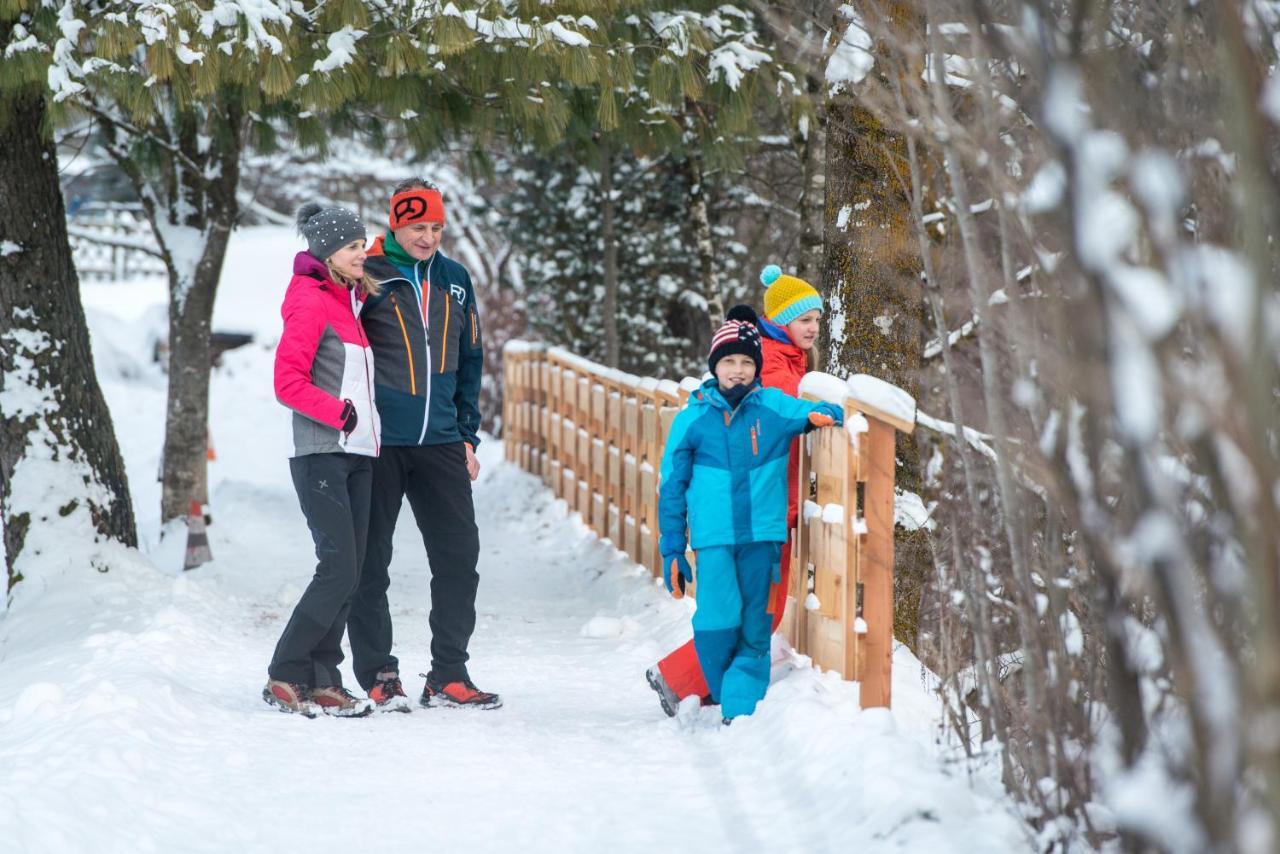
(416, 205)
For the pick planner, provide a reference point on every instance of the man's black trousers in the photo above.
(333, 490)
(434, 478)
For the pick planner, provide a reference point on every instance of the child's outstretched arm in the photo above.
(801, 416)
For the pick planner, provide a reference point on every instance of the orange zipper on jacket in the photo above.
(444, 338)
(755, 446)
(473, 327)
(413, 385)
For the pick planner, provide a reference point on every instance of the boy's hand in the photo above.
(675, 568)
(820, 419)
(825, 416)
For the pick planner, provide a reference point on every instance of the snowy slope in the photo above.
(130, 717)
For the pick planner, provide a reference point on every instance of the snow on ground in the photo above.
(131, 721)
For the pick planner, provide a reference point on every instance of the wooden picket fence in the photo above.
(595, 436)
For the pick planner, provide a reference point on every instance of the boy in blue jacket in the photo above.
(724, 481)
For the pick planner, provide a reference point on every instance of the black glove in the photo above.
(348, 417)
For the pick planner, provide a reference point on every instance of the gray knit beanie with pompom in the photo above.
(328, 229)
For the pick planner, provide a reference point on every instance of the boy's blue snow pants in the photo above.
(732, 625)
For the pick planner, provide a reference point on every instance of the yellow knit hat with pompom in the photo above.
(787, 297)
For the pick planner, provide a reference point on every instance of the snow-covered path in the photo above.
(130, 716)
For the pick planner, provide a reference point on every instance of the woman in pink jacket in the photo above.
(324, 373)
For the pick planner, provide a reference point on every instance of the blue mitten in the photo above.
(682, 576)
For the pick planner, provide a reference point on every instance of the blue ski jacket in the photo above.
(425, 334)
(724, 470)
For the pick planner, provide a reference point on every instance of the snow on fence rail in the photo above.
(595, 436)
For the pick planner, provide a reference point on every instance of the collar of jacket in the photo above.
(710, 394)
(393, 266)
(309, 266)
(797, 359)
(776, 332)
(385, 246)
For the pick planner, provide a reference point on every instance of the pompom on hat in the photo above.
(787, 297)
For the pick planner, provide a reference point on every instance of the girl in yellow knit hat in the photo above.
(792, 313)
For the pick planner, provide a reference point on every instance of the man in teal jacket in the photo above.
(425, 335)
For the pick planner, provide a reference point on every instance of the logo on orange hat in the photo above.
(416, 205)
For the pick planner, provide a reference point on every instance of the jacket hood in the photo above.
(775, 332)
(310, 272)
(306, 264)
(788, 351)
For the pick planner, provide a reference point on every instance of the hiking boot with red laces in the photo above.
(289, 697)
(340, 703)
(462, 694)
(388, 694)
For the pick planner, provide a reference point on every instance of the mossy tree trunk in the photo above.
(871, 281)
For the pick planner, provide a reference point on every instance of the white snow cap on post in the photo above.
(690, 384)
(517, 345)
(886, 397)
(873, 396)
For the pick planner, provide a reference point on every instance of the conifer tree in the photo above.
(180, 90)
(553, 219)
(678, 96)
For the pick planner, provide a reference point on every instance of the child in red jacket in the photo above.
(789, 330)
(324, 373)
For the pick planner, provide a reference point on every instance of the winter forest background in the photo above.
(1051, 221)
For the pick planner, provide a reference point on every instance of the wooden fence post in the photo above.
(876, 564)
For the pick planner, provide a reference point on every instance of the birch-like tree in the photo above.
(1093, 194)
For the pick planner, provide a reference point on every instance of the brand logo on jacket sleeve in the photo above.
(459, 293)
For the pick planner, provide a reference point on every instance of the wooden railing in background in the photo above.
(595, 436)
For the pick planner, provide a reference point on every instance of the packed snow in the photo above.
(130, 709)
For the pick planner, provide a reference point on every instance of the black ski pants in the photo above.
(333, 490)
(435, 480)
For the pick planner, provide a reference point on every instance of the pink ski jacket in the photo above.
(323, 360)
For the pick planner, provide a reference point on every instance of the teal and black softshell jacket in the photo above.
(724, 471)
(425, 334)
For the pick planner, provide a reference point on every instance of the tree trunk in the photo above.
(192, 291)
(184, 473)
(805, 35)
(60, 466)
(871, 280)
(706, 245)
(811, 143)
(610, 306)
